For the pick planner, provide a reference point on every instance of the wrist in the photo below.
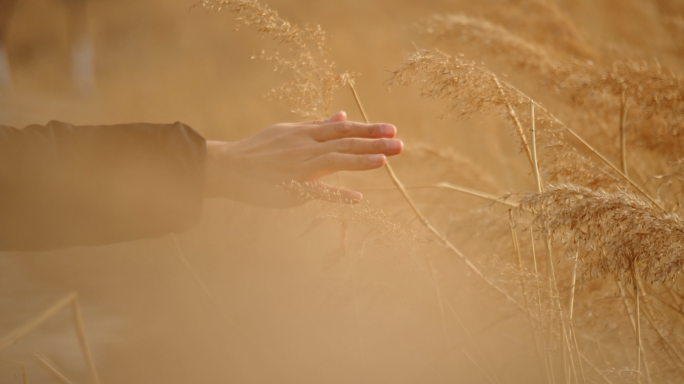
(215, 171)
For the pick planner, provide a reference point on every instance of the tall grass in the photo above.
(602, 136)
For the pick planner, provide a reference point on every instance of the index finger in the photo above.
(342, 129)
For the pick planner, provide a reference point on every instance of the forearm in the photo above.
(63, 185)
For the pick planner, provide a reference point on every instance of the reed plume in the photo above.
(303, 51)
(470, 88)
(490, 37)
(540, 22)
(613, 232)
(654, 96)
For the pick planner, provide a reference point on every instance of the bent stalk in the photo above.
(397, 183)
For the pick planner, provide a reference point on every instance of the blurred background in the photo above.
(294, 302)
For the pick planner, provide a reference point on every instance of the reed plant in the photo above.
(603, 136)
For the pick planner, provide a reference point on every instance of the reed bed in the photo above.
(595, 245)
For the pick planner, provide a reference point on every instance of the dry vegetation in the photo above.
(585, 263)
(604, 221)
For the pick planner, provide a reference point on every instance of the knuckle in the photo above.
(344, 127)
(328, 159)
(379, 145)
(345, 144)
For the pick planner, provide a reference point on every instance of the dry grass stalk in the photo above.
(484, 373)
(573, 335)
(469, 88)
(598, 371)
(53, 369)
(442, 312)
(552, 273)
(24, 374)
(302, 50)
(357, 317)
(658, 94)
(28, 327)
(666, 340)
(582, 217)
(638, 321)
(634, 326)
(448, 165)
(457, 188)
(466, 86)
(516, 122)
(547, 355)
(491, 37)
(543, 23)
(651, 319)
(205, 289)
(586, 220)
(428, 225)
(533, 146)
(331, 206)
(623, 132)
(573, 282)
(516, 249)
(656, 97)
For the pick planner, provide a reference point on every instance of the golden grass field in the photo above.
(458, 288)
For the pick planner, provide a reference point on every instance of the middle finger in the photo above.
(342, 129)
(389, 147)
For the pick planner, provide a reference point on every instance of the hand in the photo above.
(253, 170)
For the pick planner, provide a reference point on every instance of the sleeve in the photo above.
(63, 185)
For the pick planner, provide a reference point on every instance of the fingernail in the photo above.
(387, 130)
(376, 159)
(393, 145)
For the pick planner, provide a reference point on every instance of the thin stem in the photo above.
(555, 298)
(453, 311)
(80, 329)
(675, 298)
(28, 327)
(358, 103)
(651, 320)
(397, 183)
(259, 348)
(638, 323)
(573, 280)
(547, 354)
(573, 335)
(358, 319)
(24, 374)
(603, 376)
(623, 132)
(633, 322)
(53, 369)
(553, 289)
(442, 313)
(70, 299)
(533, 145)
(479, 368)
(587, 145)
(452, 187)
(200, 281)
(518, 127)
(516, 248)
